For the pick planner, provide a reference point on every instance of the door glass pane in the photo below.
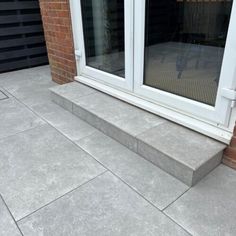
(184, 46)
(103, 25)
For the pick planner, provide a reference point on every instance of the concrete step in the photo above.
(183, 153)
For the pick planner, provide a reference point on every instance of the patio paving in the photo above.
(16, 118)
(2, 95)
(40, 165)
(7, 223)
(61, 176)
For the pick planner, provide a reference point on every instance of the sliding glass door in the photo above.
(183, 56)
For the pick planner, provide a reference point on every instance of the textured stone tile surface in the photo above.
(73, 91)
(120, 114)
(105, 206)
(2, 95)
(154, 184)
(185, 146)
(16, 118)
(15, 80)
(5, 92)
(40, 165)
(209, 208)
(7, 224)
(168, 164)
(29, 86)
(110, 130)
(64, 121)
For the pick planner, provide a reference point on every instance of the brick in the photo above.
(229, 158)
(59, 39)
(230, 152)
(229, 162)
(233, 142)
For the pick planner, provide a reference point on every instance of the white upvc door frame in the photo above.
(126, 83)
(134, 94)
(221, 112)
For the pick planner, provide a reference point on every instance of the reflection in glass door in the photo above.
(103, 25)
(183, 56)
(107, 46)
(184, 46)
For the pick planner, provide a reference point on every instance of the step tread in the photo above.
(184, 145)
(154, 184)
(130, 119)
(181, 145)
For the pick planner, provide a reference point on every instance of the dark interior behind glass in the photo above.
(184, 46)
(103, 25)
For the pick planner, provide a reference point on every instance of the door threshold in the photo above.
(203, 127)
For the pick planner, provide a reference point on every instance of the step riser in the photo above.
(63, 102)
(166, 163)
(176, 169)
(189, 175)
(105, 127)
(207, 167)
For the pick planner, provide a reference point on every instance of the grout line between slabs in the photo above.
(51, 125)
(72, 101)
(4, 93)
(178, 224)
(6, 96)
(135, 190)
(23, 131)
(3, 99)
(176, 199)
(68, 140)
(154, 126)
(107, 169)
(11, 215)
(63, 195)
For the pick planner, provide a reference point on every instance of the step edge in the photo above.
(72, 103)
(209, 166)
(107, 123)
(168, 164)
(194, 168)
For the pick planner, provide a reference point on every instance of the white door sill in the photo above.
(207, 128)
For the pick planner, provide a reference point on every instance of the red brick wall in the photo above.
(230, 153)
(59, 39)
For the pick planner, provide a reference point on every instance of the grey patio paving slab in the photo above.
(7, 223)
(16, 118)
(117, 119)
(2, 95)
(185, 154)
(15, 79)
(68, 124)
(104, 126)
(5, 93)
(32, 96)
(70, 92)
(74, 91)
(128, 118)
(104, 206)
(155, 185)
(39, 165)
(209, 208)
(29, 86)
(192, 152)
(31, 91)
